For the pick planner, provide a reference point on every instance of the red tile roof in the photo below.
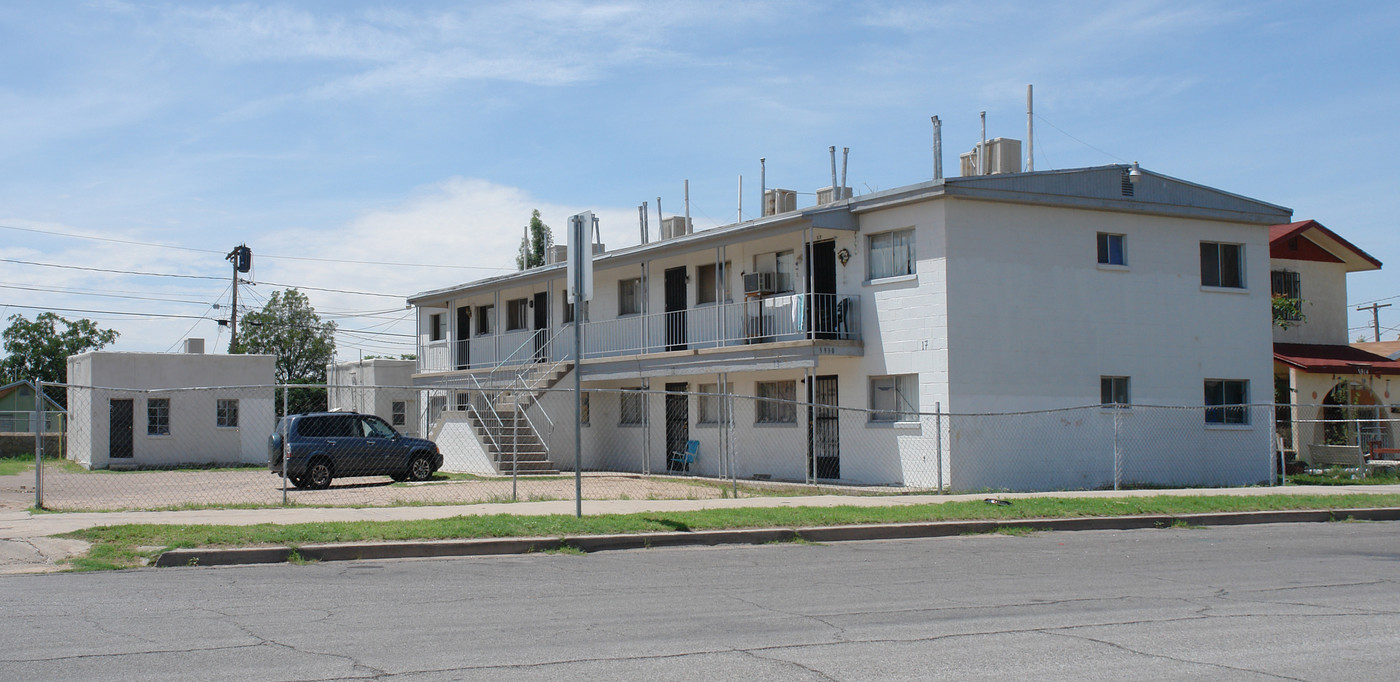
(1279, 234)
(1334, 359)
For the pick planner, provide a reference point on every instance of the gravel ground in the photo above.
(109, 491)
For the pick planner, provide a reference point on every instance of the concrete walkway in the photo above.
(27, 544)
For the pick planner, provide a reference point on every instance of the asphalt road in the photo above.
(1302, 601)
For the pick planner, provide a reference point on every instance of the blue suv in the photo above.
(322, 446)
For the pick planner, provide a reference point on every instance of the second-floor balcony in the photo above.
(753, 322)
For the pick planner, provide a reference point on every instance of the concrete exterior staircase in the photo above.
(513, 443)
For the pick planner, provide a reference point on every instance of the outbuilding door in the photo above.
(119, 439)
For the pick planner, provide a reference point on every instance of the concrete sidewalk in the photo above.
(27, 544)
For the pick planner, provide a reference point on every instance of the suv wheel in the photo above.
(419, 468)
(319, 474)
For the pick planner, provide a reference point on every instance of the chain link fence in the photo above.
(228, 446)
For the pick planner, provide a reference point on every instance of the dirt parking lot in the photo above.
(68, 490)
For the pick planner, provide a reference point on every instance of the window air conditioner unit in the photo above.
(760, 283)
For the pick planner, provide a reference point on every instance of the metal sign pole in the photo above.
(285, 447)
(38, 387)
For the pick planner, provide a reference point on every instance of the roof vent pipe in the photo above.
(762, 186)
(741, 199)
(845, 156)
(937, 148)
(660, 219)
(835, 188)
(687, 206)
(642, 221)
(1030, 132)
(982, 148)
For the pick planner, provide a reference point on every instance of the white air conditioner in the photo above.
(827, 195)
(760, 283)
(675, 226)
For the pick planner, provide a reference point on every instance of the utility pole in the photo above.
(242, 258)
(1375, 316)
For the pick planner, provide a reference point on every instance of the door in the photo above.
(822, 317)
(824, 429)
(542, 326)
(119, 440)
(677, 426)
(464, 335)
(675, 308)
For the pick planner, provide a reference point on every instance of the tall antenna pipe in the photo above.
(1030, 131)
(937, 148)
(686, 227)
(982, 148)
(762, 186)
(845, 156)
(660, 219)
(642, 220)
(741, 200)
(834, 186)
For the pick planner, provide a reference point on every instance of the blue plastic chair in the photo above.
(688, 457)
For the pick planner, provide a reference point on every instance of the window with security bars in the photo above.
(633, 408)
(157, 416)
(1113, 391)
(1226, 400)
(891, 254)
(769, 410)
(398, 412)
(894, 398)
(1289, 285)
(226, 413)
(712, 405)
(1222, 265)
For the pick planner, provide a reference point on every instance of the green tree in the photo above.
(40, 350)
(1288, 312)
(289, 328)
(533, 247)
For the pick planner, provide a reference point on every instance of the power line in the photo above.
(119, 272)
(79, 293)
(103, 312)
(1086, 144)
(132, 242)
(337, 291)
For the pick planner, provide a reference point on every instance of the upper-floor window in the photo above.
(517, 312)
(629, 296)
(1222, 265)
(892, 253)
(437, 327)
(1112, 249)
(782, 263)
(1289, 285)
(483, 318)
(708, 283)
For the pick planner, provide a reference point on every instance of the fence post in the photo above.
(938, 442)
(514, 446)
(285, 449)
(38, 387)
(1117, 453)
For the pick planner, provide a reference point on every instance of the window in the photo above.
(712, 404)
(1222, 265)
(769, 411)
(483, 318)
(1288, 285)
(517, 312)
(464, 400)
(629, 296)
(226, 413)
(585, 411)
(1113, 391)
(398, 412)
(157, 416)
(1225, 401)
(437, 327)
(892, 254)
(706, 278)
(894, 398)
(782, 263)
(633, 407)
(1111, 249)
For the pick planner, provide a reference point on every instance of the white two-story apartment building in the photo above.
(967, 295)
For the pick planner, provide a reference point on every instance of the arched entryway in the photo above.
(1353, 415)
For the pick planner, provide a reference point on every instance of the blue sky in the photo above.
(425, 132)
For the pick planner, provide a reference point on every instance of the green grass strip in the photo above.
(128, 545)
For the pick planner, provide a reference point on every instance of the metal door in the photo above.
(824, 429)
(677, 426)
(119, 443)
(675, 309)
(822, 315)
(542, 326)
(464, 335)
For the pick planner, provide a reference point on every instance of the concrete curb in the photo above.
(748, 536)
